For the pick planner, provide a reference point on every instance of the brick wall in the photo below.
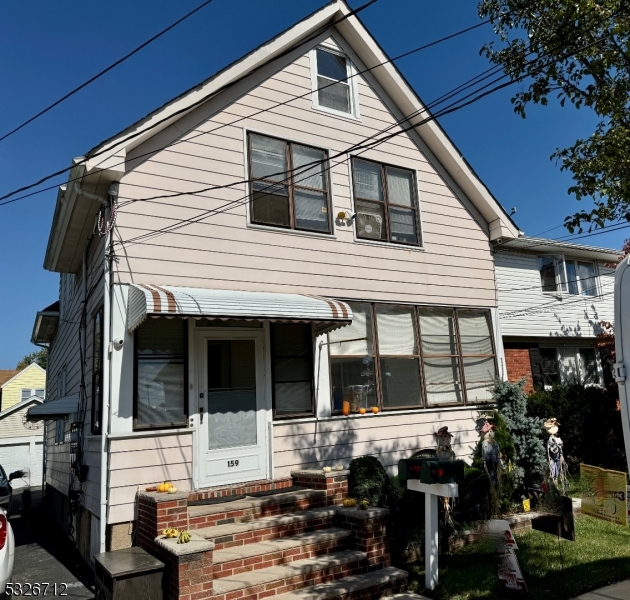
(335, 483)
(518, 366)
(369, 528)
(157, 513)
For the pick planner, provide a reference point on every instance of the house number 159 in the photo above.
(232, 463)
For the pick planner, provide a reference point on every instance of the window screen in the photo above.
(588, 366)
(292, 358)
(352, 366)
(160, 399)
(442, 378)
(291, 185)
(333, 88)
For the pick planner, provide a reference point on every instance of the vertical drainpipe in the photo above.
(107, 374)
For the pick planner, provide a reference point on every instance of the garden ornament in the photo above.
(555, 456)
(491, 456)
(443, 441)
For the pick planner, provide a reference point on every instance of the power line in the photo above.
(451, 108)
(176, 113)
(106, 70)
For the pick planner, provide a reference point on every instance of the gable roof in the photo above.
(21, 372)
(7, 375)
(105, 162)
(19, 405)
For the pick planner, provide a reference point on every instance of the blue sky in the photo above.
(47, 48)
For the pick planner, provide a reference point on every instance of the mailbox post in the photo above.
(431, 492)
(424, 473)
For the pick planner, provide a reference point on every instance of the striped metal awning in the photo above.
(199, 303)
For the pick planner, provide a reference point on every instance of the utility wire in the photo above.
(176, 113)
(104, 71)
(451, 108)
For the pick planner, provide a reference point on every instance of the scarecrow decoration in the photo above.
(443, 441)
(555, 456)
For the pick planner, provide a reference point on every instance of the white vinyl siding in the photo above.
(526, 311)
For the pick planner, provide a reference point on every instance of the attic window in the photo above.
(333, 84)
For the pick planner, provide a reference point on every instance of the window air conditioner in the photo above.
(369, 225)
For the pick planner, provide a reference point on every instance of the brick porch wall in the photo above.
(518, 366)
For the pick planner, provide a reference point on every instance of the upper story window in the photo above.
(570, 276)
(385, 203)
(27, 393)
(333, 83)
(291, 187)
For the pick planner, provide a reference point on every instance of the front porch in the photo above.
(292, 540)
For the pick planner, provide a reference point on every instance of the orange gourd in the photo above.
(346, 408)
(362, 411)
(375, 409)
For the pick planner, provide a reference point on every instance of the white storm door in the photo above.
(232, 416)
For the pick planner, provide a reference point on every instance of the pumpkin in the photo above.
(349, 502)
(327, 469)
(362, 411)
(172, 490)
(164, 487)
(375, 409)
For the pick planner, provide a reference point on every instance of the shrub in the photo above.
(590, 424)
(368, 480)
(527, 432)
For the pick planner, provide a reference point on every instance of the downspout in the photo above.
(107, 367)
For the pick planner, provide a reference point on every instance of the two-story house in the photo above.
(276, 270)
(22, 441)
(553, 297)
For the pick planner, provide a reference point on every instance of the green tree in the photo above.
(578, 52)
(39, 357)
(526, 432)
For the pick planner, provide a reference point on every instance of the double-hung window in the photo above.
(575, 277)
(289, 185)
(385, 203)
(333, 89)
(398, 357)
(161, 374)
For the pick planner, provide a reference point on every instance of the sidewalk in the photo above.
(617, 591)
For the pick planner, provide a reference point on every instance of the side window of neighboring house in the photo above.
(576, 277)
(333, 81)
(27, 393)
(286, 191)
(386, 203)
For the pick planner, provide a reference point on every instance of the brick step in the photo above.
(225, 491)
(255, 585)
(366, 586)
(254, 508)
(269, 528)
(252, 557)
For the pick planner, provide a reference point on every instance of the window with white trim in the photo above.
(333, 82)
(27, 393)
(561, 275)
(568, 365)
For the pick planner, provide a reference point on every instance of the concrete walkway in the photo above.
(617, 591)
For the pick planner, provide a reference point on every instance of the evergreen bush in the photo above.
(530, 457)
(368, 480)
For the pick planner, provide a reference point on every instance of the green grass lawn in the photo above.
(552, 570)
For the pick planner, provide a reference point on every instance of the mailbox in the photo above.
(425, 466)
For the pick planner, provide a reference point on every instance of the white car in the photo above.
(7, 552)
